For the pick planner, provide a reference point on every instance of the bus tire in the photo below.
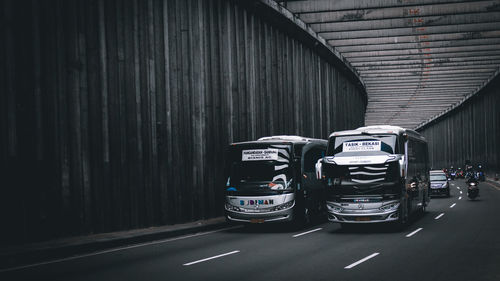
(402, 221)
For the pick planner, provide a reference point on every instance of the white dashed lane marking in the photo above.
(361, 261)
(440, 215)
(453, 205)
(307, 232)
(413, 233)
(211, 258)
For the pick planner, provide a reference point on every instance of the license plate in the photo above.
(362, 219)
(256, 220)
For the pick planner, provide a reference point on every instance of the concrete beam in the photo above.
(495, 47)
(426, 68)
(428, 78)
(420, 86)
(424, 73)
(406, 22)
(415, 38)
(411, 95)
(388, 106)
(420, 45)
(411, 31)
(427, 56)
(491, 62)
(431, 91)
(476, 59)
(415, 85)
(410, 92)
(444, 100)
(465, 79)
(309, 6)
(399, 12)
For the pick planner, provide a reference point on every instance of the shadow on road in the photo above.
(371, 228)
(274, 227)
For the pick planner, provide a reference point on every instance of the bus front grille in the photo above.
(368, 173)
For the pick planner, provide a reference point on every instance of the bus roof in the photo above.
(379, 129)
(283, 138)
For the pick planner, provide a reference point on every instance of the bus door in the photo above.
(312, 188)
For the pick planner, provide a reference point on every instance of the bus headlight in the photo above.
(389, 207)
(334, 208)
(287, 205)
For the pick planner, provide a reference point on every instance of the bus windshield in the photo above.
(363, 144)
(268, 165)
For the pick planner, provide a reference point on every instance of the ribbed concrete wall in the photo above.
(470, 132)
(116, 114)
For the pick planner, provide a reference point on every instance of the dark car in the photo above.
(439, 183)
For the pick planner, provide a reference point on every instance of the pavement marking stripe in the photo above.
(495, 187)
(307, 232)
(440, 215)
(211, 258)
(458, 187)
(117, 249)
(460, 191)
(413, 233)
(453, 205)
(361, 261)
(460, 198)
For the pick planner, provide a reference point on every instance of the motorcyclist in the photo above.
(473, 180)
(480, 173)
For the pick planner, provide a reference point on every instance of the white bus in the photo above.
(375, 174)
(273, 180)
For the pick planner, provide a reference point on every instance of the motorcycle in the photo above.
(473, 190)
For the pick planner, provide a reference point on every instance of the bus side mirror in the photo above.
(319, 166)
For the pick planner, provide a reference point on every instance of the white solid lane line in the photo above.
(460, 198)
(453, 205)
(307, 232)
(211, 258)
(440, 215)
(414, 232)
(361, 261)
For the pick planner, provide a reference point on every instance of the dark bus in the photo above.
(273, 180)
(375, 174)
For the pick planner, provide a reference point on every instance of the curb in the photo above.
(23, 255)
(493, 183)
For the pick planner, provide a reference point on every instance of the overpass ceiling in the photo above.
(417, 58)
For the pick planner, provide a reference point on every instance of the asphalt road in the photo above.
(456, 239)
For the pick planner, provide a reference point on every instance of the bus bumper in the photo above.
(284, 215)
(365, 213)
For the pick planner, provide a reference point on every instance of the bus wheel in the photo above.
(402, 221)
(301, 220)
(307, 216)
